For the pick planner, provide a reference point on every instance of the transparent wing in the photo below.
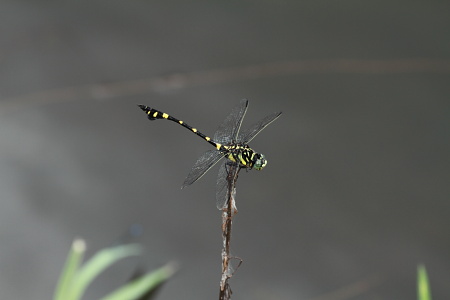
(248, 135)
(222, 187)
(222, 193)
(229, 129)
(205, 162)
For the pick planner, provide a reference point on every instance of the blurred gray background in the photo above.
(356, 192)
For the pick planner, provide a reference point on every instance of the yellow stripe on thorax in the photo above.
(231, 157)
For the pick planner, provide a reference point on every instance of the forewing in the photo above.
(205, 162)
(228, 130)
(248, 135)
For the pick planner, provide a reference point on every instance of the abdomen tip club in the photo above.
(148, 111)
(143, 107)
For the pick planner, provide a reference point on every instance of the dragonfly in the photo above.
(229, 142)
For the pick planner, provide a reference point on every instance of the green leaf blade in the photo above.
(98, 263)
(423, 286)
(72, 264)
(140, 286)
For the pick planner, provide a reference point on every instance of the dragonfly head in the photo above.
(259, 161)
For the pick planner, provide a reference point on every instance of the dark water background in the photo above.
(356, 192)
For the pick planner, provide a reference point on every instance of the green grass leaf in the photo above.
(73, 261)
(143, 284)
(423, 287)
(98, 263)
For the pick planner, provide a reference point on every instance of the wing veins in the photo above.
(255, 129)
(203, 164)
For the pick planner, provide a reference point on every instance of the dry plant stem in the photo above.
(227, 218)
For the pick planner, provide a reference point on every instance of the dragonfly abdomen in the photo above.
(154, 114)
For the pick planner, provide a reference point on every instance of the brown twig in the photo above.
(227, 219)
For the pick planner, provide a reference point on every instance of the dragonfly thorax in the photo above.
(245, 156)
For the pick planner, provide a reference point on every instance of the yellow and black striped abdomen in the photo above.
(154, 114)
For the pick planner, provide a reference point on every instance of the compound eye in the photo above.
(260, 162)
